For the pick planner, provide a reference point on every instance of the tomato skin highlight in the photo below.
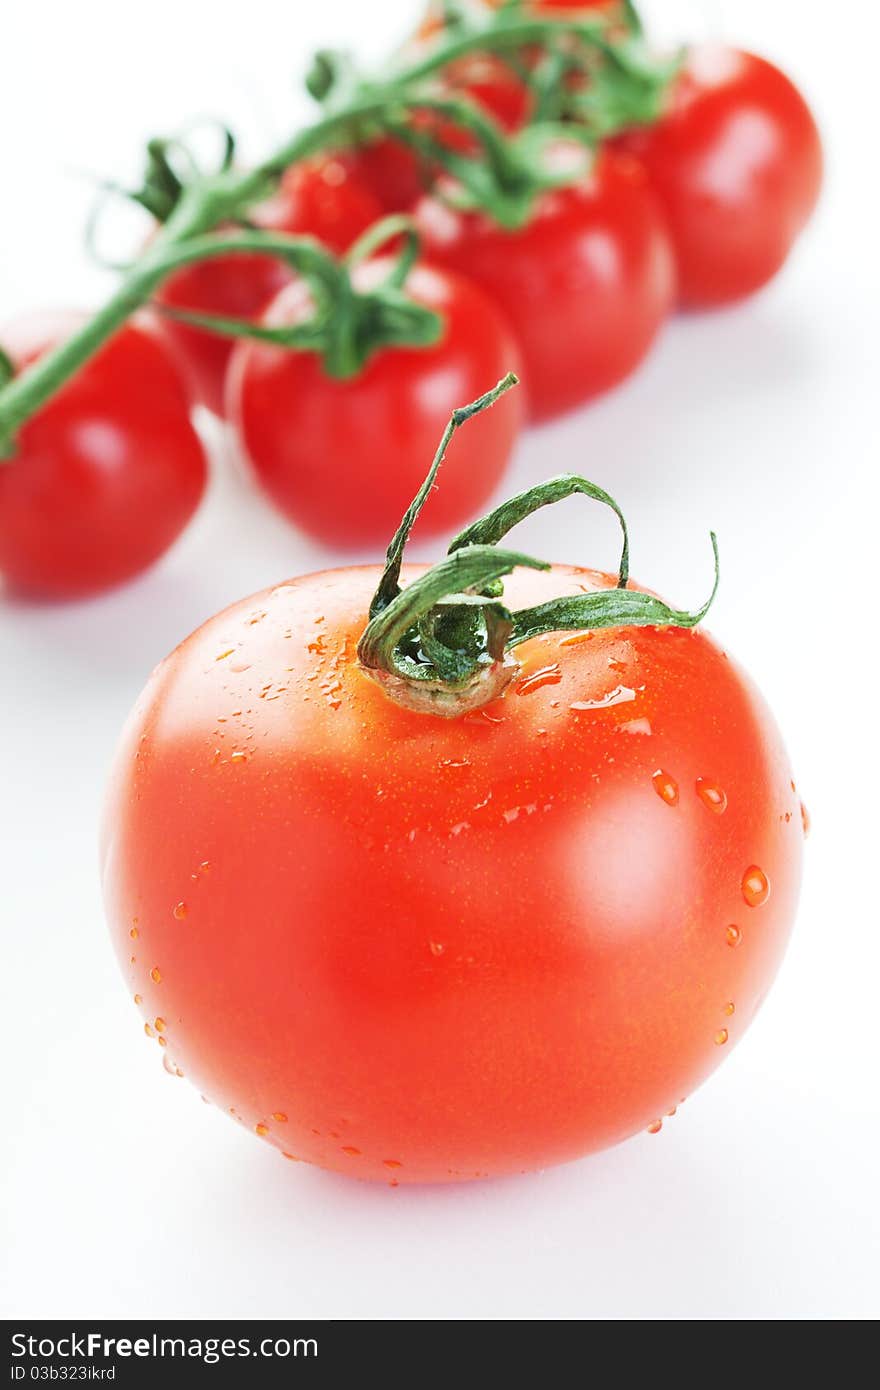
(444, 949)
(586, 284)
(320, 197)
(344, 458)
(107, 474)
(737, 165)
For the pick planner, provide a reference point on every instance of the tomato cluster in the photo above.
(368, 852)
(696, 207)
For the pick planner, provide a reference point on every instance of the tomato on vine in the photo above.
(340, 453)
(737, 164)
(423, 882)
(586, 284)
(103, 478)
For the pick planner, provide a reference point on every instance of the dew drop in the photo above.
(293, 1158)
(238, 756)
(673, 1111)
(239, 666)
(547, 675)
(437, 948)
(139, 999)
(805, 820)
(721, 1037)
(712, 796)
(392, 1163)
(620, 695)
(134, 933)
(755, 886)
(171, 1066)
(666, 787)
(163, 1042)
(156, 975)
(149, 1031)
(160, 1025)
(351, 1151)
(224, 655)
(261, 1129)
(730, 1008)
(280, 1117)
(179, 911)
(734, 936)
(655, 1126)
(576, 639)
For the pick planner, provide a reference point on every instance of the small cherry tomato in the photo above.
(107, 474)
(586, 284)
(342, 458)
(321, 198)
(737, 164)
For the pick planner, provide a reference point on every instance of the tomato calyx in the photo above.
(585, 80)
(347, 325)
(443, 644)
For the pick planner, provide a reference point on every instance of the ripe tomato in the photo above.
(321, 198)
(342, 458)
(586, 284)
(106, 475)
(737, 163)
(417, 949)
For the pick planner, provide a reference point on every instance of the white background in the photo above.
(124, 1195)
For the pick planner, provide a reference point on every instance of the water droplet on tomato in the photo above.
(160, 1025)
(133, 933)
(734, 936)
(139, 999)
(293, 1158)
(721, 1037)
(224, 655)
(805, 820)
(673, 1111)
(179, 911)
(238, 756)
(149, 1031)
(655, 1126)
(576, 639)
(392, 1163)
(730, 1008)
(712, 796)
(620, 695)
(239, 667)
(437, 948)
(351, 1151)
(171, 1066)
(666, 787)
(261, 1129)
(547, 675)
(755, 886)
(163, 1042)
(156, 975)
(280, 1116)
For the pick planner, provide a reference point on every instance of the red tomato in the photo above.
(586, 284)
(416, 949)
(392, 172)
(106, 475)
(343, 459)
(321, 198)
(737, 163)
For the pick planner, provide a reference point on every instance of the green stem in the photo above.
(443, 644)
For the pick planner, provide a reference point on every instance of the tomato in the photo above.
(737, 163)
(342, 458)
(416, 949)
(586, 284)
(322, 198)
(392, 171)
(106, 475)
